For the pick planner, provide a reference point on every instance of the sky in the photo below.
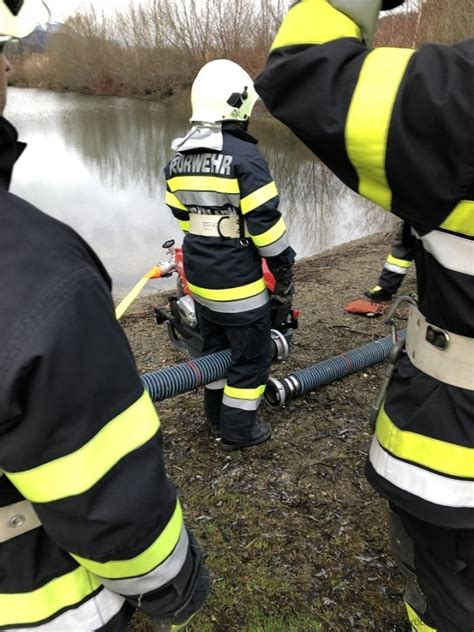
(60, 9)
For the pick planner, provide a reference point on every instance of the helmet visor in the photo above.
(19, 18)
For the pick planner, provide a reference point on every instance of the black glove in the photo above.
(284, 288)
(175, 604)
(283, 293)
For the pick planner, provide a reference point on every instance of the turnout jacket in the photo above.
(397, 126)
(225, 274)
(79, 438)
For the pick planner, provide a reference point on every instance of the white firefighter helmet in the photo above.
(222, 91)
(19, 18)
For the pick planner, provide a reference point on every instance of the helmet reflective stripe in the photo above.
(19, 18)
(222, 91)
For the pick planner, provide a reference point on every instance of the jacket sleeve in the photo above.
(259, 207)
(394, 124)
(179, 211)
(81, 439)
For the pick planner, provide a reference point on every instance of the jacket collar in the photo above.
(236, 130)
(10, 151)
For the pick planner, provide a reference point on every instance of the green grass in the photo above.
(259, 622)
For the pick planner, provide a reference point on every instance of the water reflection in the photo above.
(97, 164)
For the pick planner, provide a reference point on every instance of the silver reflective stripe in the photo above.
(234, 307)
(391, 267)
(91, 615)
(17, 519)
(208, 198)
(242, 404)
(435, 488)
(216, 386)
(453, 365)
(453, 252)
(156, 578)
(276, 248)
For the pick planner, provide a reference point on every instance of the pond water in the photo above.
(97, 163)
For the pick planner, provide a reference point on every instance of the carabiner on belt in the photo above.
(397, 350)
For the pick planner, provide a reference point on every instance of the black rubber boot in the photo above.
(260, 434)
(378, 294)
(215, 428)
(212, 409)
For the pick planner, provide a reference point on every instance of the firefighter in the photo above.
(396, 265)
(90, 526)
(220, 189)
(397, 126)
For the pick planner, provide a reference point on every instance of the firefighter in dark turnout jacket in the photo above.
(90, 526)
(396, 265)
(397, 126)
(221, 191)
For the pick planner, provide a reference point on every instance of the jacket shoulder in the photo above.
(37, 252)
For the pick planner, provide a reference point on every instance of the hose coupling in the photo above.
(278, 393)
(281, 348)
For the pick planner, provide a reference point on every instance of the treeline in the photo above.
(153, 49)
(156, 49)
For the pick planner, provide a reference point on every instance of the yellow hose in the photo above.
(154, 273)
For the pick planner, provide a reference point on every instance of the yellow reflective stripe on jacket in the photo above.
(257, 198)
(417, 624)
(78, 471)
(173, 201)
(154, 555)
(244, 393)
(270, 235)
(368, 120)
(231, 293)
(43, 603)
(401, 263)
(461, 219)
(204, 183)
(314, 22)
(184, 225)
(440, 456)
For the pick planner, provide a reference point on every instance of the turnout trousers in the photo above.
(231, 405)
(398, 261)
(438, 565)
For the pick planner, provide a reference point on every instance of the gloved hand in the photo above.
(173, 606)
(284, 288)
(283, 292)
(365, 13)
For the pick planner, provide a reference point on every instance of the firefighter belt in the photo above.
(215, 226)
(445, 356)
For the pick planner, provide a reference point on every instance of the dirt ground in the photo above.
(295, 537)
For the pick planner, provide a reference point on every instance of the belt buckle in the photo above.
(219, 227)
(437, 337)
